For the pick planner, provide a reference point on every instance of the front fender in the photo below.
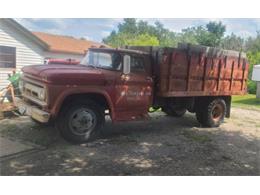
(77, 91)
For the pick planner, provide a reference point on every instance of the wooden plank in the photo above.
(188, 71)
(219, 73)
(170, 71)
(204, 73)
(232, 75)
(243, 75)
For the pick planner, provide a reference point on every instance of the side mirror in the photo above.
(126, 67)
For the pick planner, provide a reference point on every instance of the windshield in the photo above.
(108, 60)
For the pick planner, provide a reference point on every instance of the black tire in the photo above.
(213, 113)
(77, 116)
(178, 112)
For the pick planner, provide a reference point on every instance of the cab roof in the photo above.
(120, 50)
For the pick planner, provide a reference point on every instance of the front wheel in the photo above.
(81, 122)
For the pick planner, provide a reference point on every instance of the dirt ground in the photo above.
(160, 146)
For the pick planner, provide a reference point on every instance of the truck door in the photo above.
(135, 89)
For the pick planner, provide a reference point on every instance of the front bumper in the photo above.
(29, 110)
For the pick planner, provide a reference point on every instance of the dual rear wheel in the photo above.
(209, 113)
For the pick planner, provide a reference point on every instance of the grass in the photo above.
(246, 101)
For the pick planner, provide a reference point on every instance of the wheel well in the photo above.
(98, 98)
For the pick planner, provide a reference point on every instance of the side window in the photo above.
(110, 60)
(116, 61)
(137, 64)
(104, 59)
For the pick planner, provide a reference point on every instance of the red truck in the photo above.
(62, 61)
(125, 83)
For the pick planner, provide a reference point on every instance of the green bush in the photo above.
(254, 58)
(251, 87)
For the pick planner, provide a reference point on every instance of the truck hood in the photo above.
(65, 74)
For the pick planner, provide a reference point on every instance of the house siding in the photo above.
(27, 52)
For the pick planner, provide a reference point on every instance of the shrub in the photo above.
(251, 86)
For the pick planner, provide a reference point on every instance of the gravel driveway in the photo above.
(160, 146)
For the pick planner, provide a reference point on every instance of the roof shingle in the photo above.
(66, 44)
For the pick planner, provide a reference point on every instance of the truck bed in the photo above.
(193, 70)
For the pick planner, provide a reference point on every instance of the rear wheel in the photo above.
(177, 112)
(212, 113)
(81, 122)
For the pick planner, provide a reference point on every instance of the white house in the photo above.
(256, 77)
(19, 47)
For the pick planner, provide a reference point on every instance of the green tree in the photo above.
(130, 30)
(209, 35)
(122, 39)
(143, 28)
(143, 39)
(188, 36)
(233, 42)
(129, 25)
(253, 43)
(116, 39)
(216, 32)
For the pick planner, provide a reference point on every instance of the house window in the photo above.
(7, 57)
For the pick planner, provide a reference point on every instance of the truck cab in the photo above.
(117, 82)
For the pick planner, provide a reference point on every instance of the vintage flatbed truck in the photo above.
(125, 83)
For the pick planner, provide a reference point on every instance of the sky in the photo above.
(96, 29)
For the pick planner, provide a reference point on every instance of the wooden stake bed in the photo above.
(192, 70)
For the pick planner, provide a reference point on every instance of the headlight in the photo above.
(42, 94)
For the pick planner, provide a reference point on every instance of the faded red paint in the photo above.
(183, 74)
(178, 73)
(62, 61)
(65, 80)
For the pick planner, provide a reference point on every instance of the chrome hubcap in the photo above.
(83, 121)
